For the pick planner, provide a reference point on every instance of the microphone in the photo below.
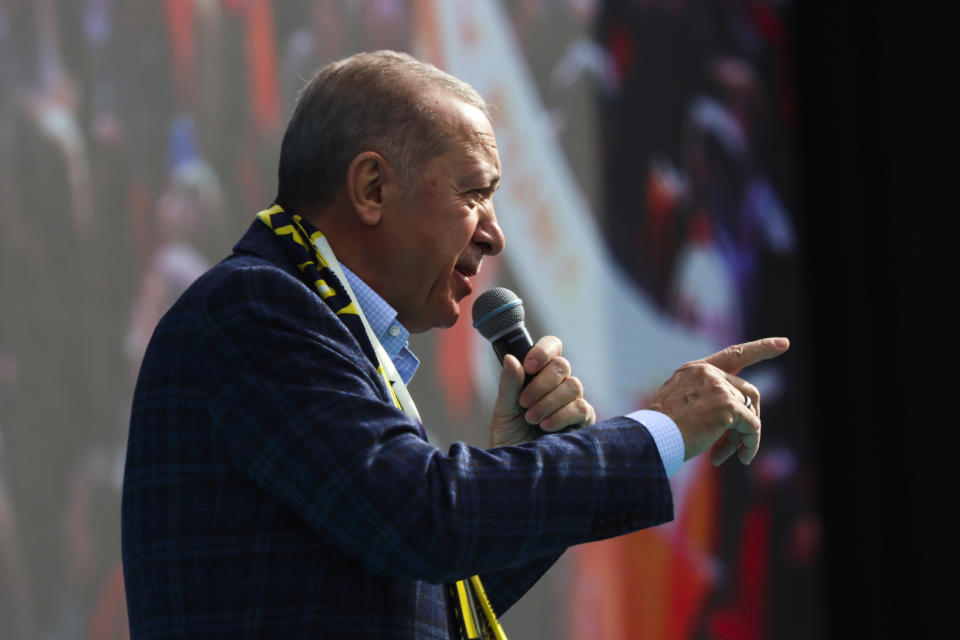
(498, 316)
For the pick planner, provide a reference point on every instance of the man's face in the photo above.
(445, 223)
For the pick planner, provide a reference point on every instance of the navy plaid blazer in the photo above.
(272, 489)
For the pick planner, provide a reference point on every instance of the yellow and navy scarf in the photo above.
(318, 266)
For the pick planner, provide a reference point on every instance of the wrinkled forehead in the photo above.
(478, 144)
(477, 150)
(467, 122)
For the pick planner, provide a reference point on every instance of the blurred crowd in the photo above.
(137, 139)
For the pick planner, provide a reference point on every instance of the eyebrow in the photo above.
(490, 180)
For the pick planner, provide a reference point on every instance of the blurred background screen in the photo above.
(651, 205)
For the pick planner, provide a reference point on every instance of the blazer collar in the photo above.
(260, 241)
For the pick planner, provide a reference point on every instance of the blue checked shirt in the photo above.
(383, 320)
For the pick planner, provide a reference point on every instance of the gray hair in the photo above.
(373, 101)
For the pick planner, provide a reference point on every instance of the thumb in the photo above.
(739, 356)
(511, 383)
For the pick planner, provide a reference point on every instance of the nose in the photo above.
(488, 234)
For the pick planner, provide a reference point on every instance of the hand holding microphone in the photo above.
(711, 406)
(537, 392)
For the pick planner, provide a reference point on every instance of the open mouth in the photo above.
(464, 281)
(463, 273)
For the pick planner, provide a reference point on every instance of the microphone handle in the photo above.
(516, 342)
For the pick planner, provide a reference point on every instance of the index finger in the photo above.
(739, 356)
(546, 349)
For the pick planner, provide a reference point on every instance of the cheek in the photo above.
(461, 232)
(447, 246)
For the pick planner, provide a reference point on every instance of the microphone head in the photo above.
(496, 311)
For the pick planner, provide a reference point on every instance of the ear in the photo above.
(366, 176)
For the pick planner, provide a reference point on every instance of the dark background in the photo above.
(862, 80)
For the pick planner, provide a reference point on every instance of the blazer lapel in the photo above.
(262, 242)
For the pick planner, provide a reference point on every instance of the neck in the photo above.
(355, 244)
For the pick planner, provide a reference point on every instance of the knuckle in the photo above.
(718, 383)
(690, 367)
(586, 410)
(573, 412)
(736, 350)
(698, 370)
(576, 386)
(576, 410)
(552, 345)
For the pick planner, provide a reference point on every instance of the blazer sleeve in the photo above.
(296, 406)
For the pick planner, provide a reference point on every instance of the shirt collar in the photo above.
(383, 321)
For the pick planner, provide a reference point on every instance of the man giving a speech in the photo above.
(278, 481)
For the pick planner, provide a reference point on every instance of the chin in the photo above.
(448, 317)
(446, 322)
(438, 321)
